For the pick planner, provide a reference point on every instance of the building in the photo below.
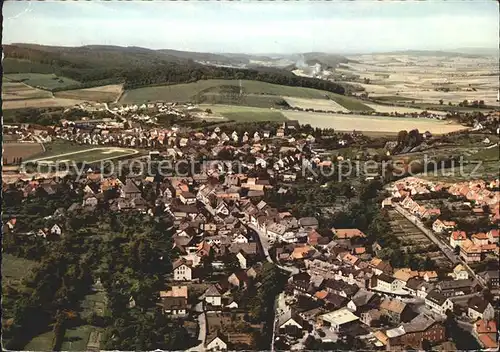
(175, 307)
(396, 310)
(479, 308)
(417, 330)
(213, 296)
(459, 273)
(182, 270)
(453, 288)
(470, 252)
(338, 320)
(457, 238)
(216, 343)
(438, 303)
(490, 278)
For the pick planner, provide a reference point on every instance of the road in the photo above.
(121, 118)
(448, 252)
(202, 334)
(264, 244)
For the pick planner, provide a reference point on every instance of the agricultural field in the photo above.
(427, 79)
(364, 123)
(401, 109)
(39, 103)
(245, 113)
(20, 151)
(315, 104)
(88, 155)
(108, 93)
(188, 91)
(15, 91)
(42, 80)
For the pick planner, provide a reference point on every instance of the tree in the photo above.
(456, 250)
(441, 101)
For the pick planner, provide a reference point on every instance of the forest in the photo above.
(138, 67)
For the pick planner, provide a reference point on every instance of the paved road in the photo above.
(264, 242)
(448, 252)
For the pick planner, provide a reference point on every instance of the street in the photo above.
(442, 246)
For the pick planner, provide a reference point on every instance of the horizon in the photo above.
(267, 28)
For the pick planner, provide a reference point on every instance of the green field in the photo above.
(41, 80)
(246, 113)
(87, 155)
(250, 93)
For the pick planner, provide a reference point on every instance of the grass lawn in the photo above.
(42, 80)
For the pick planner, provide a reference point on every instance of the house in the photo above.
(386, 283)
(452, 288)
(362, 301)
(309, 223)
(290, 323)
(213, 296)
(300, 282)
(338, 320)
(493, 236)
(480, 239)
(470, 252)
(421, 328)
(182, 270)
(457, 238)
(490, 278)
(379, 266)
(443, 226)
(242, 259)
(486, 333)
(56, 230)
(216, 343)
(396, 310)
(238, 279)
(175, 307)
(371, 317)
(130, 190)
(459, 273)
(438, 303)
(479, 308)
(348, 233)
(187, 198)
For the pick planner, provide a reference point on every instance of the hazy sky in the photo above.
(257, 27)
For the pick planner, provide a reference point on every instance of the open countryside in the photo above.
(362, 123)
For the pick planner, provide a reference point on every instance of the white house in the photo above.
(243, 261)
(56, 230)
(439, 304)
(182, 270)
(478, 308)
(213, 296)
(216, 344)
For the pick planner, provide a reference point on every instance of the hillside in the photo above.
(135, 67)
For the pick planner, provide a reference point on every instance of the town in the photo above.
(250, 251)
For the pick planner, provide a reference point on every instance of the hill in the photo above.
(97, 65)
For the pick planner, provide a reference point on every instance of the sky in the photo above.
(257, 27)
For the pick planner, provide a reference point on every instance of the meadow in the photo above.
(42, 80)
(245, 113)
(100, 94)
